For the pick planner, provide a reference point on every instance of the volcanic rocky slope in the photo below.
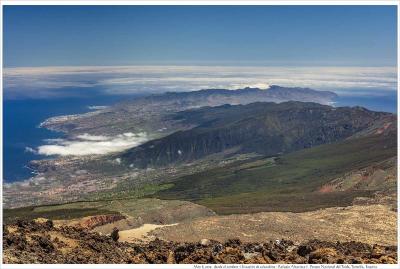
(33, 242)
(268, 129)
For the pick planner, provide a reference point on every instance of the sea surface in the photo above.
(383, 103)
(22, 117)
(20, 128)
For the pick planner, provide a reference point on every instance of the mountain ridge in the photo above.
(153, 112)
(264, 128)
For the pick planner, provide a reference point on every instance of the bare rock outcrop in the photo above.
(40, 242)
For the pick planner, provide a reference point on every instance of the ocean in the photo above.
(20, 128)
(22, 117)
(384, 103)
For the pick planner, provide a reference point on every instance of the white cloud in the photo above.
(30, 150)
(93, 145)
(51, 81)
(53, 140)
(89, 137)
(97, 107)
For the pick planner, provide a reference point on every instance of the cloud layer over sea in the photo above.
(86, 144)
(47, 82)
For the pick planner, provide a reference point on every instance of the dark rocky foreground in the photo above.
(41, 242)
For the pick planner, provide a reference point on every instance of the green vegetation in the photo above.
(138, 211)
(100, 203)
(29, 213)
(131, 193)
(121, 202)
(290, 183)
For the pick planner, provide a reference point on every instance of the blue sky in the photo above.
(211, 35)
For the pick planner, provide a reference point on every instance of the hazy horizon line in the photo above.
(226, 64)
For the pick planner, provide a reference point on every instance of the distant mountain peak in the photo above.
(260, 87)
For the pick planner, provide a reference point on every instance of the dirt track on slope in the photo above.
(141, 233)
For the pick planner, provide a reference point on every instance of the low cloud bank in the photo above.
(97, 107)
(93, 145)
(30, 150)
(42, 82)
